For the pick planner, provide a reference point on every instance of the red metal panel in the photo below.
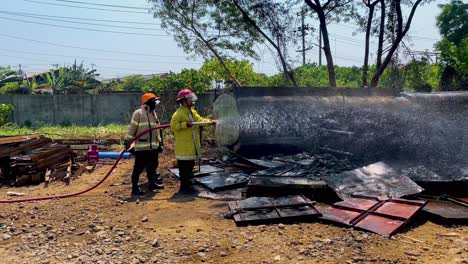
(398, 209)
(357, 203)
(385, 216)
(339, 215)
(380, 225)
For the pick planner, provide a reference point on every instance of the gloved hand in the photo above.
(213, 122)
(126, 146)
(189, 124)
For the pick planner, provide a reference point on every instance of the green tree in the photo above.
(420, 76)
(6, 71)
(134, 82)
(453, 21)
(80, 77)
(57, 80)
(5, 112)
(311, 75)
(453, 26)
(242, 69)
(197, 81)
(209, 28)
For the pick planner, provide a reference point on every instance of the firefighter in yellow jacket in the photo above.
(187, 147)
(148, 146)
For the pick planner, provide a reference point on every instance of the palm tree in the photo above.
(81, 77)
(57, 80)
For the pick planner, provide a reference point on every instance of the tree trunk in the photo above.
(400, 35)
(328, 54)
(319, 9)
(365, 67)
(381, 34)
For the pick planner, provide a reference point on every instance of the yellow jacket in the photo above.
(187, 138)
(143, 119)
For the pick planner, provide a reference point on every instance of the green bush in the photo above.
(5, 112)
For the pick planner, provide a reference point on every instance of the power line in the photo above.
(411, 36)
(89, 19)
(87, 29)
(85, 7)
(74, 22)
(118, 6)
(51, 63)
(93, 58)
(89, 49)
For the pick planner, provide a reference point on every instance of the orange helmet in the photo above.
(148, 96)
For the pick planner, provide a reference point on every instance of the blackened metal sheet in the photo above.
(285, 182)
(385, 216)
(277, 171)
(222, 180)
(266, 163)
(446, 208)
(421, 173)
(204, 170)
(268, 209)
(377, 179)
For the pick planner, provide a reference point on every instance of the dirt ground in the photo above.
(107, 226)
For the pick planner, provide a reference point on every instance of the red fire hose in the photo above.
(92, 187)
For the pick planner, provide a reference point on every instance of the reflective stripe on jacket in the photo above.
(143, 119)
(187, 146)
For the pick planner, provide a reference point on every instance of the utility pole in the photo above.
(303, 31)
(320, 46)
(303, 36)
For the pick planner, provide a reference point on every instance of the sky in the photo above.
(32, 42)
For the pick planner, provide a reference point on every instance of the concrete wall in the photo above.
(88, 109)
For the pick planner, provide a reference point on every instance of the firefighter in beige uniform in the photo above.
(148, 146)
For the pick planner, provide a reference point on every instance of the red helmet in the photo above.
(186, 93)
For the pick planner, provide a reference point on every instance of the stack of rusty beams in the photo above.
(32, 167)
(16, 145)
(260, 210)
(381, 215)
(10, 146)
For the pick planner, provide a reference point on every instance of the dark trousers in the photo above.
(186, 172)
(148, 160)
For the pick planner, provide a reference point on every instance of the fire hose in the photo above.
(103, 179)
